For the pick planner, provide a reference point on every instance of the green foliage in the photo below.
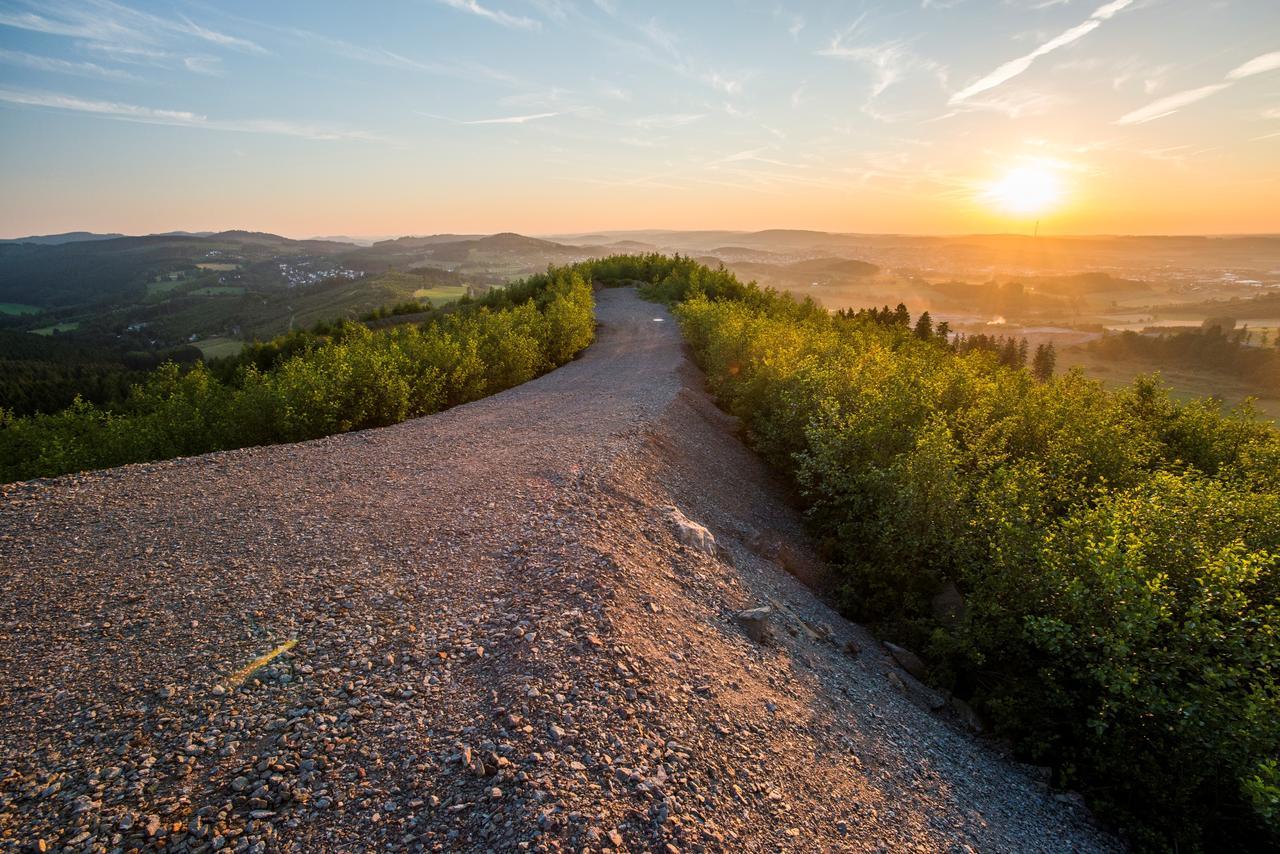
(1118, 553)
(307, 384)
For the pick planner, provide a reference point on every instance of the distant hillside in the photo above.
(834, 267)
(65, 237)
(91, 271)
(1081, 284)
(428, 240)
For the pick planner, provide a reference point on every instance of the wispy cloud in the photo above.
(114, 23)
(519, 22)
(179, 118)
(1172, 103)
(889, 62)
(203, 64)
(1014, 67)
(62, 66)
(795, 23)
(378, 56)
(76, 26)
(1257, 65)
(667, 120)
(501, 120)
(214, 37)
(663, 48)
(513, 120)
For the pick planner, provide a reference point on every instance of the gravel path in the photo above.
(486, 636)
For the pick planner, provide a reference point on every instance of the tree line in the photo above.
(1227, 351)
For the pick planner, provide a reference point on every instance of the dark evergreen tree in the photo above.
(924, 327)
(1043, 363)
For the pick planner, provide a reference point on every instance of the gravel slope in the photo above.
(497, 643)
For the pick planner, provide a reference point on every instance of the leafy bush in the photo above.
(1118, 553)
(304, 385)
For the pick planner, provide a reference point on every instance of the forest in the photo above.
(333, 379)
(1116, 554)
(45, 373)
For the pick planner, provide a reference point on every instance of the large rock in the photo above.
(908, 660)
(755, 622)
(966, 714)
(695, 536)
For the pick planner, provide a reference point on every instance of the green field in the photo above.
(58, 327)
(221, 268)
(18, 308)
(163, 287)
(441, 293)
(218, 290)
(217, 348)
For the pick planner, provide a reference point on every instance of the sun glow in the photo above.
(1025, 190)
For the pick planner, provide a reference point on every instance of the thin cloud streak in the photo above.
(106, 21)
(519, 22)
(501, 120)
(1170, 104)
(179, 118)
(1011, 69)
(512, 120)
(62, 66)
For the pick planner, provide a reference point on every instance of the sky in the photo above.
(308, 118)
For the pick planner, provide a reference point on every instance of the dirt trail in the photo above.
(497, 643)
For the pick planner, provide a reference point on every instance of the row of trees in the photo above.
(1117, 553)
(1011, 352)
(1213, 348)
(310, 384)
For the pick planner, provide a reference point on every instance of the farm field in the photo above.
(219, 347)
(19, 308)
(69, 326)
(218, 290)
(441, 294)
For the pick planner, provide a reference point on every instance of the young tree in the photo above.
(924, 327)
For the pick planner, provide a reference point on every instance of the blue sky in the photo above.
(410, 116)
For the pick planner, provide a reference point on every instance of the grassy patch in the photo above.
(216, 348)
(19, 308)
(220, 268)
(218, 291)
(163, 287)
(441, 293)
(58, 327)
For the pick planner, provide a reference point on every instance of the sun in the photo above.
(1025, 190)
